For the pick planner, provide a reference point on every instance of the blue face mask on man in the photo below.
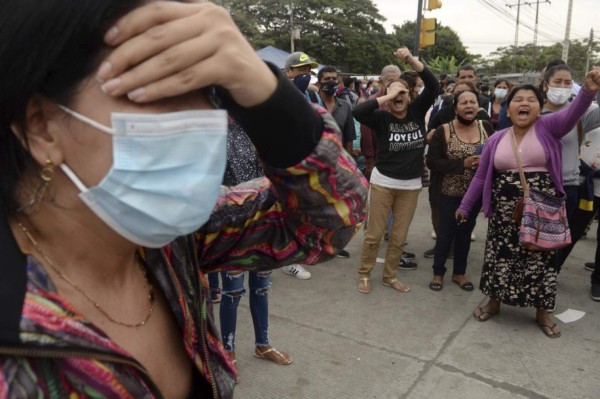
(166, 174)
(302, 82)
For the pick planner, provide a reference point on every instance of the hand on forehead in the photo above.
(399, 84)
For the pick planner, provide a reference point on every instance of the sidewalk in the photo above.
(421, 344)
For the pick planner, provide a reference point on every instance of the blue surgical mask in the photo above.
(500, 93)
(166, 174)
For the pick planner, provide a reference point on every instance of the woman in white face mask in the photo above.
(557, 86)
(501, 89)
(111, 204)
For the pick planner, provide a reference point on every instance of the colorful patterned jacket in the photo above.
(306, 212)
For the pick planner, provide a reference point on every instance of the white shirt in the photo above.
(388, 182)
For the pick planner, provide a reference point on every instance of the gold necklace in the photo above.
(151, 297)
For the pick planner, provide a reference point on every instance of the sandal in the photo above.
(483, 314)
(434, 286)
(468, 286)
(397, 285)
(364, 286)
(272, 354)
(549, 330)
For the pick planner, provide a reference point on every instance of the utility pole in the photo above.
(514, 59)
(291, 27)
(589, 52)
(418, 30)
(535, 31)
(565, 52)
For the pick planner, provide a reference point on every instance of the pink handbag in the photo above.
(543, 223)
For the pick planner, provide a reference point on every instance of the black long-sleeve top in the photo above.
(400, 142)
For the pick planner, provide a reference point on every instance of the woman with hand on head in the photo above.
(452, 162)
(396, 178)
(111, 205)
(512, 274)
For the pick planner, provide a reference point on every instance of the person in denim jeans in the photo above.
(259, 284)
(451, 159)
(243, 165)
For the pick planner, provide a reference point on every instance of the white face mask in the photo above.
(420, 89)
(500, 93)
(166, 174)
(558, 95)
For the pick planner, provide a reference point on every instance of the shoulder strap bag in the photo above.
(542, 217)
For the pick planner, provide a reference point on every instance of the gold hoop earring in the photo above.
(46, 174)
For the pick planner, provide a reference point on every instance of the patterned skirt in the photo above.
(511, 274)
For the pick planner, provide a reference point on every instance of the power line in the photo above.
(546, 20)
(506, 15)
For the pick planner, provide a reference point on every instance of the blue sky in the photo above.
(484, 25)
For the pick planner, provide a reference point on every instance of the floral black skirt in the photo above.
(511, 274)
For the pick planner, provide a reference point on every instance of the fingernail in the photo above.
(111, 34)
(111, 85)
(103, 72)
(136, 94)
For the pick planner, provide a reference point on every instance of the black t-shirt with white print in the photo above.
(400, 142)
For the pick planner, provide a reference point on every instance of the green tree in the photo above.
(526, 61)
(346, 33)
(445, 64)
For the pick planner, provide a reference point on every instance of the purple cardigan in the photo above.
(549, 129)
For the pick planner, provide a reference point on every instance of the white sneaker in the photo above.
(297, 271)
(472, 236)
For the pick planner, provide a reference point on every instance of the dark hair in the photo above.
(536, 90)
(410, 77)
(498, 81)
(48, 48)
(327, 68)
(548, 66)
(555, 62)
(460, 93)
(466, 67)
(348, 80)
(553, 69)
(468, 83)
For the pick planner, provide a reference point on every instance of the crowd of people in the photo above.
(137, 172)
